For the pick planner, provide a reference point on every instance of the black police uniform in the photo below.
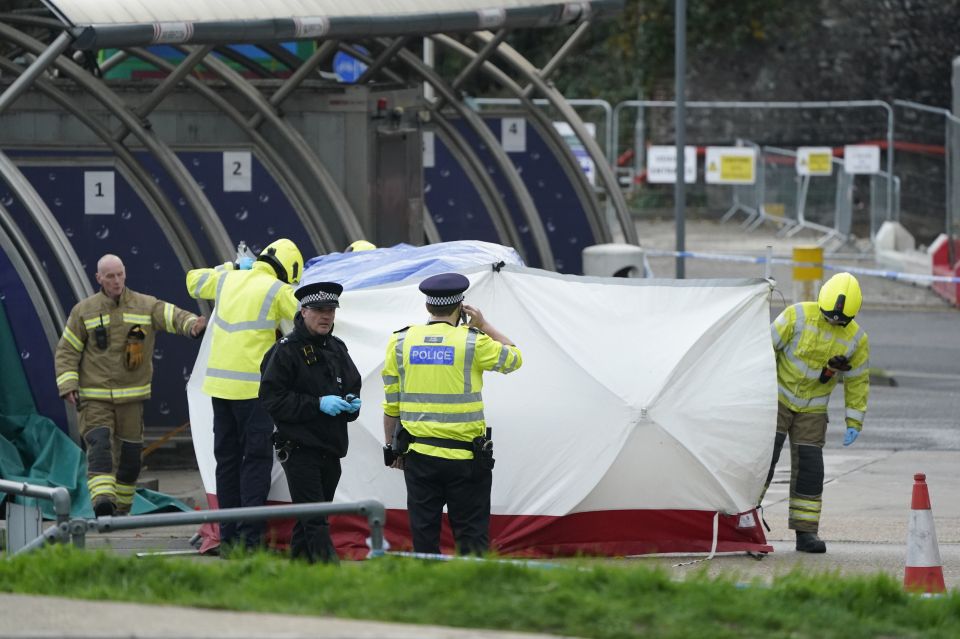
(299, 370)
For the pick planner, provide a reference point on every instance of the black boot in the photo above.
(809, 542)
(103, 507)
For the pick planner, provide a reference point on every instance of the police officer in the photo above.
(104, 366)
(311, 388)
(250, 301)
(817, 344)
(432, 378)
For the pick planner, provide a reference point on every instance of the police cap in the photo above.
(319, 295)
(444, 289)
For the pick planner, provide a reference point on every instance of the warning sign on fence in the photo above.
(731, 165)
(814, 160)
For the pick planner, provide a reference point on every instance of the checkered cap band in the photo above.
(320, 296)
(446, 300)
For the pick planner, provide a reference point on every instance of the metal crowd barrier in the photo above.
(76, 529)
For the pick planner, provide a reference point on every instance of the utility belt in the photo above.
(481, 447)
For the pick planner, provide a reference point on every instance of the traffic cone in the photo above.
(924, 571)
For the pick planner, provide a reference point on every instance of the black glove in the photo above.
(839, 362)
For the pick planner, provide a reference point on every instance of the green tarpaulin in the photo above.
(35, 451)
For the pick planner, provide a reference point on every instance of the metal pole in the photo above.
(58, 495)
(559, 56)
(168, 84)
(44, 60)
(680, 88)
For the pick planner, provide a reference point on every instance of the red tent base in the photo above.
(606, 533)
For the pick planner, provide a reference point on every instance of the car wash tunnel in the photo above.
(166, 133)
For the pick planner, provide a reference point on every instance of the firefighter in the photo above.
(433, 415)
(250, 301)
(311, 388)
(104, 365)
(817, 345)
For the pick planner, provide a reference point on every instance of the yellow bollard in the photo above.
(807, 272)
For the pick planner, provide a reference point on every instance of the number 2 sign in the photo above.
(236, 171)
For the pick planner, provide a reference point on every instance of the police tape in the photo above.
(748, 259)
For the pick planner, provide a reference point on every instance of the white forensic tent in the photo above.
(641, 421)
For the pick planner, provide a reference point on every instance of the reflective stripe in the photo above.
(853, 413)
(268, 300)
(804, 516)
(858, 371)
(233, 327)
(390, 379)
(237, 375)
(69, 376)
(442, 418)
(259, 324)
(775, 336)
(853, 343)
(398, 353)
(125, 493)
(821, 400)
(95, 393)
(168, 318)
(73, 340)
(504, 351)
(134, 391)
(471, 348)
(391, 398)
(441, 398)
(90, 392)
(96, 321)
(220, 267)
(203, 279)
(807, 504)
(100, 485)
(136, 318)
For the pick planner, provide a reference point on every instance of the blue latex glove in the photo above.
(851, 436)
(246, 263)
(354, 405)
(333, 405)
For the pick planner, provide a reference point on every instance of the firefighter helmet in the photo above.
(284, 256)
(360, 245)
(840, 298)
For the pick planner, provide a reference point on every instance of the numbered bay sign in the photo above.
(513, 135)
(237, 174)
(99, 197)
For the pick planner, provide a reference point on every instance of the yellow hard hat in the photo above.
(360, 245)
(840, 298)
(284, 256)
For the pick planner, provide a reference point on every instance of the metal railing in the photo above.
(76, 529)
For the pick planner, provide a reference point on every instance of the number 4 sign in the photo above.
(98, 193)
(236, 171)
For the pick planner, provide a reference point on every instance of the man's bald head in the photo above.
(111, 275)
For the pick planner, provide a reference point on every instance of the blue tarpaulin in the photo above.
(363, 269)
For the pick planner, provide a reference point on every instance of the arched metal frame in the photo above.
(522, 66)
(338, 201)
(167, 159)
(504, 165)
(267, 110)
(549, 133)
(163, 211)
(294, 189)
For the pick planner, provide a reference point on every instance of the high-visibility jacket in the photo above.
(248, 307)
(804, 342)
(100, 373)
(432, 380)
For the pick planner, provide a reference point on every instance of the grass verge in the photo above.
(577, 599)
